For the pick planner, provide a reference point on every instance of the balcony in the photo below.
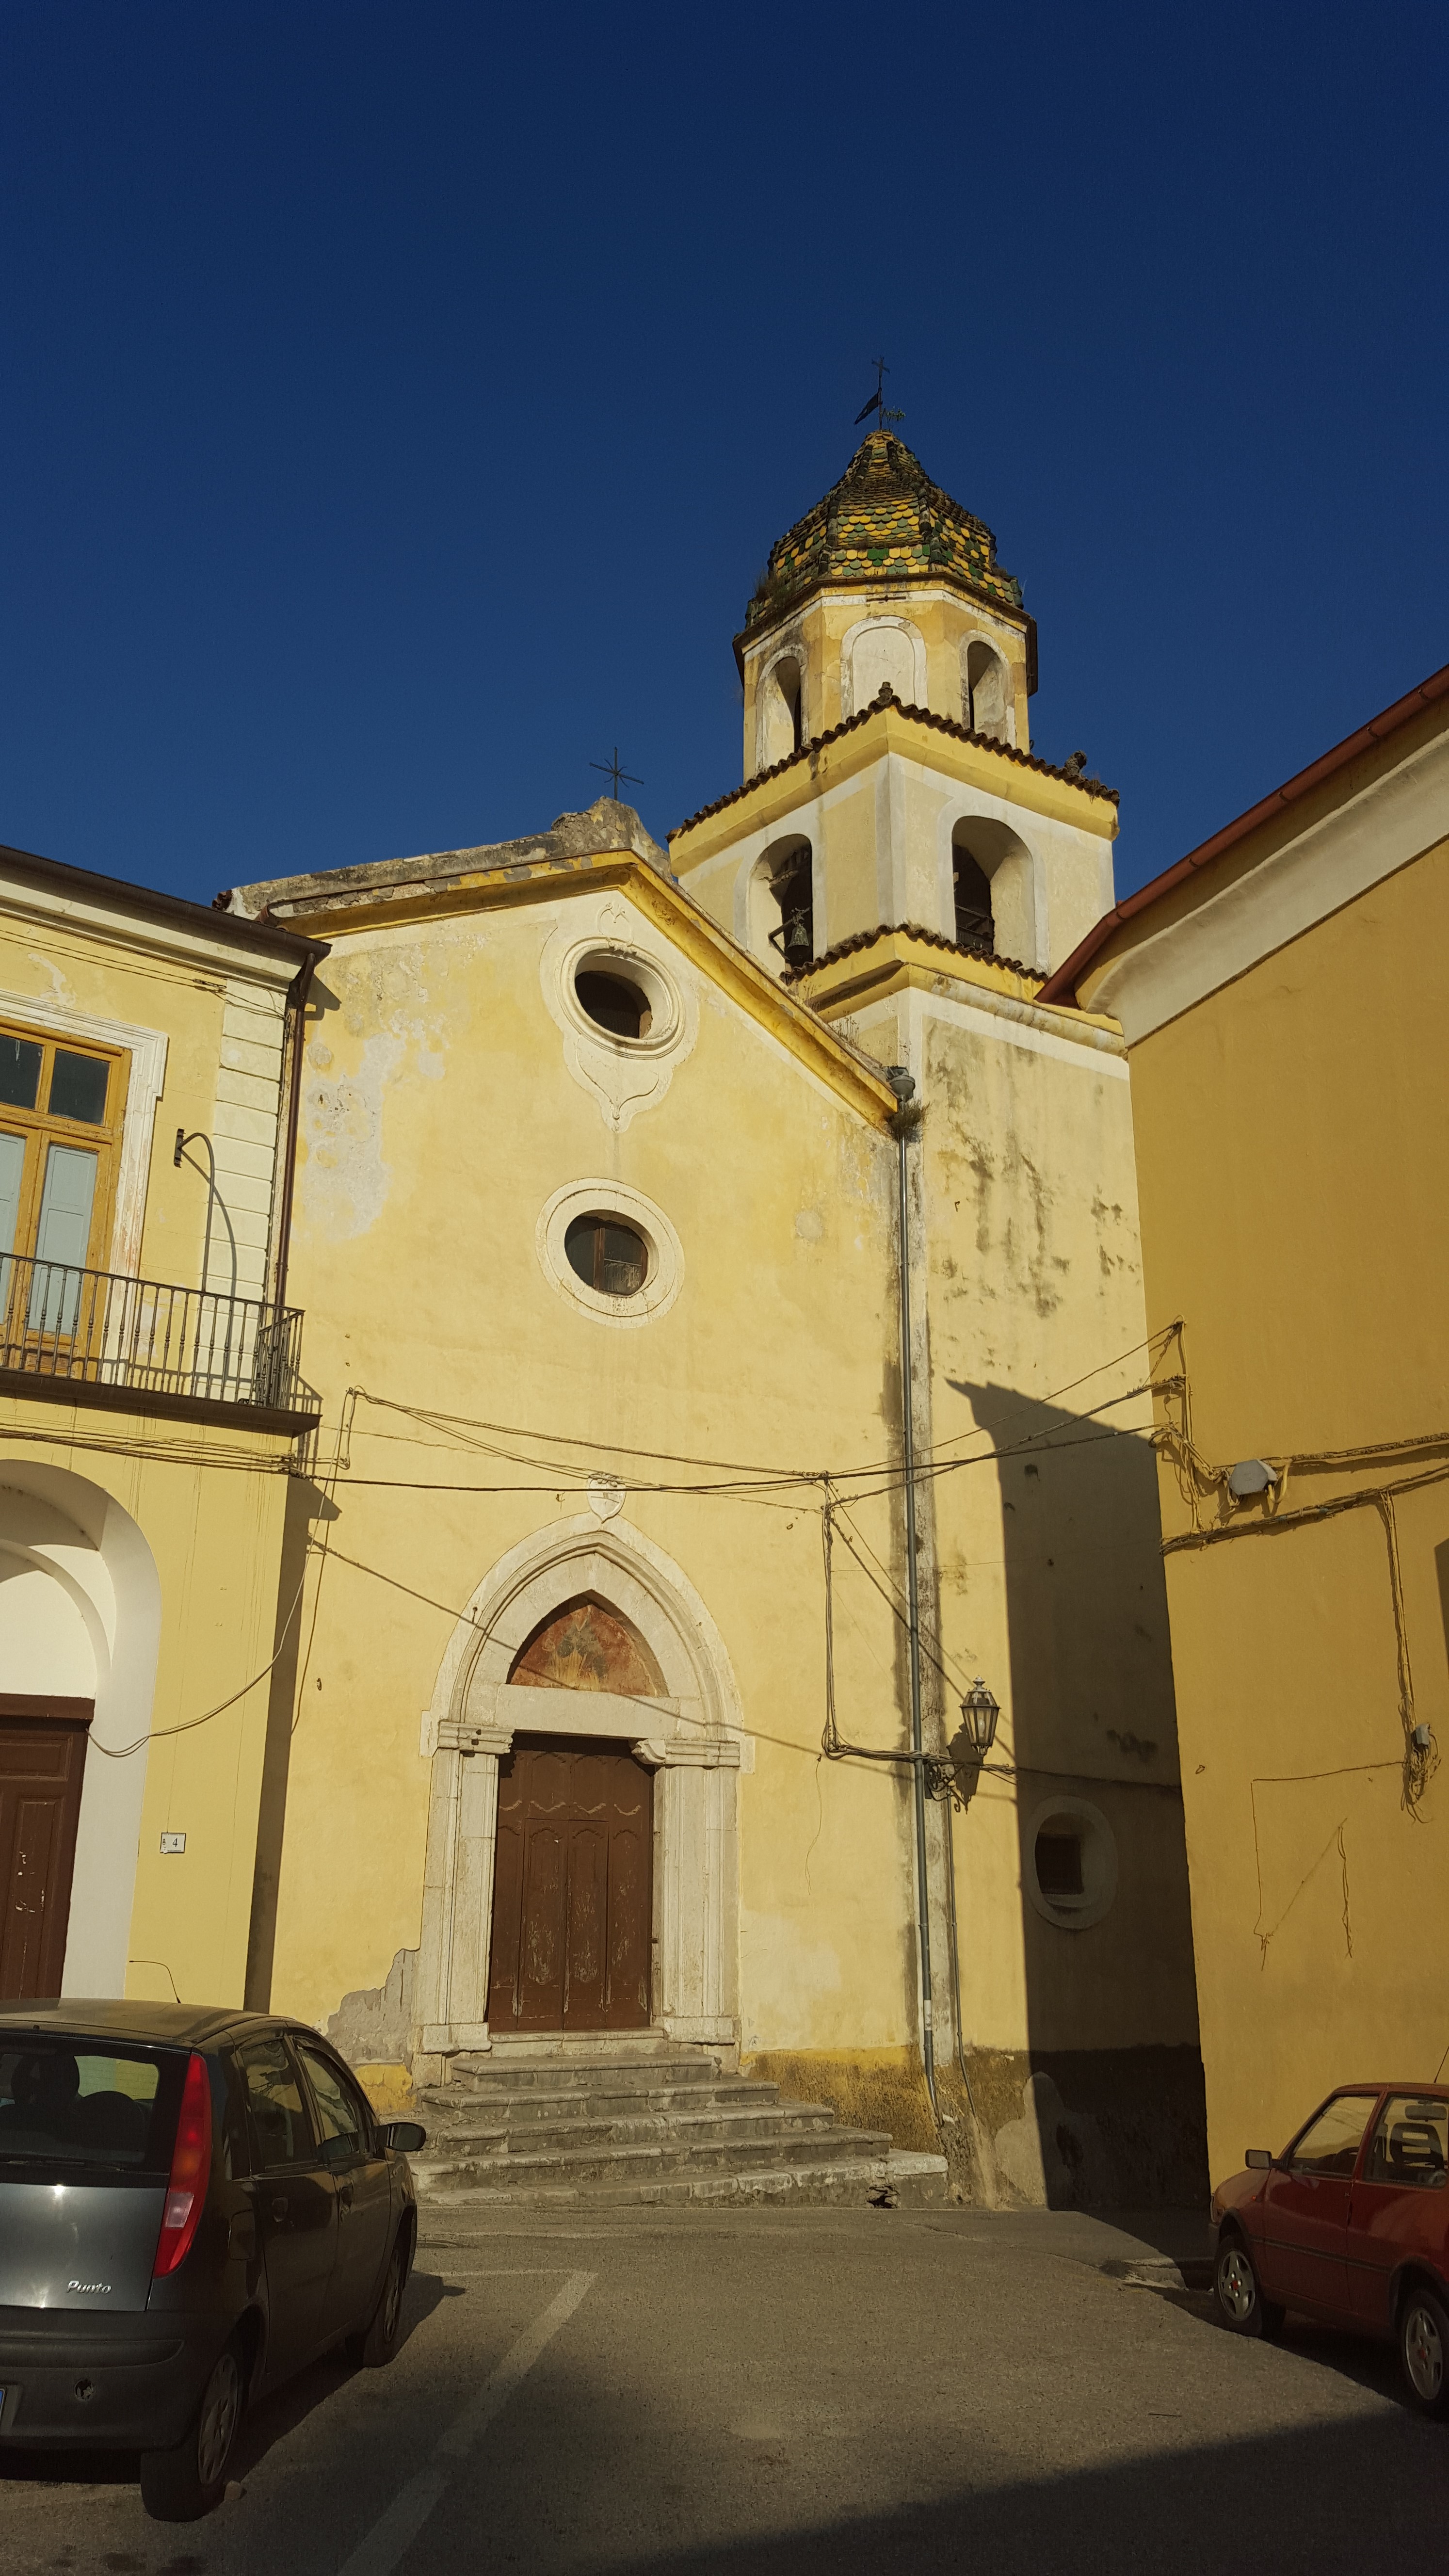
(107, 1339)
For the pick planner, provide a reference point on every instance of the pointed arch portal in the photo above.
(587, 1683)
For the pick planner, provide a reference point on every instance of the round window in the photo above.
(615, 1003)
(606, 1255)
(1071, 1857)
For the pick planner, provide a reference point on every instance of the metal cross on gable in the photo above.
(611, 769)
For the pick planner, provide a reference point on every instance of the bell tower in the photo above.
(888, 662)
(886, 579)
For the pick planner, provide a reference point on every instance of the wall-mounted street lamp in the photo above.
(980, 1712)
(957, 1773)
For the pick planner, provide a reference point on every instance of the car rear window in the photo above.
(78, 2102)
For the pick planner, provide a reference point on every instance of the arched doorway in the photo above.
(79, 1631)
(572, 1881)
(587, 1650)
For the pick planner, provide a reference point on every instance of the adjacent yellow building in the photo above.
(151, 1410)
(1280, 992)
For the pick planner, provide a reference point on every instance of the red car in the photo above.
(1351, 2224)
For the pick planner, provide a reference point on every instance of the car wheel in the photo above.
(1424, 2349)
(182, 2484)
(1241, 2303)
(378, 2341)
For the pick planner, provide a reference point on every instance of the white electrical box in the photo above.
(173, 1842)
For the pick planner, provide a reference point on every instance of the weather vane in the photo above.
(611, 769)
(877, 402)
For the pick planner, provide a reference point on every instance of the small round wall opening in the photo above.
(615, 1003)
(607, 1255)
(1070, 1863)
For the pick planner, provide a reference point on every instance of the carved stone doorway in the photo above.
(572, 1904)
(583, 1632)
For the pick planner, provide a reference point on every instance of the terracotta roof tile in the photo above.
(910, 930)
(886, 696)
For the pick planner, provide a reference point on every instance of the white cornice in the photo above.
(1394, 820)
(115, 926)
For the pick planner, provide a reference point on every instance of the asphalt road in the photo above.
(817, 2390)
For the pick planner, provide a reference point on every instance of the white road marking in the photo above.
(379, 2553)
(492, 2272)
(398, 2528)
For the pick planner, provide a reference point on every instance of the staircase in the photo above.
(633, 2119)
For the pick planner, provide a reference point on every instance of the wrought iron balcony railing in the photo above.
(95, 1328)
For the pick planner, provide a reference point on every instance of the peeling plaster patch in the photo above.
(810, 1225)
(61, 988)
(374, 2025)
(391, 1002)
(347, 1178)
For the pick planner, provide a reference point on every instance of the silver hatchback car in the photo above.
(193, 2203)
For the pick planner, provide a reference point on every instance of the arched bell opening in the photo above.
(782, 709)
(971, 895)
(782, 905)
(993, 884)
(986, 692)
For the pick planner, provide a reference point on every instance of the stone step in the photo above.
(447, 2109)
(578, 2047)
(622, 2119)
(898, 2179)
(745, 2121)
(666, 2156)
(510, 2074)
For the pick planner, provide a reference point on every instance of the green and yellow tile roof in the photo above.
(884, 520)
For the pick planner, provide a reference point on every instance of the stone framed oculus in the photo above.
(616, 995)
(611, 1251)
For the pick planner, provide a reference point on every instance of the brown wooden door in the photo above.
(42, 1758)
(572, 1893)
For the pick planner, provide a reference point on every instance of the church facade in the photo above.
(619, 1172)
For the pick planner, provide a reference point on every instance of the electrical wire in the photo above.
(751, 1476)
(159, 1734)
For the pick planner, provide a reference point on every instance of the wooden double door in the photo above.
(573, 1888)
(42, 1759)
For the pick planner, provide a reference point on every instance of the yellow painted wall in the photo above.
(1295, 1203)
(439, 1115)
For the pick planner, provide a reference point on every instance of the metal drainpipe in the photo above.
(903, 1085)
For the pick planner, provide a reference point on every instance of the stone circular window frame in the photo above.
(1099, 1863)
(605, 1198)
(628, 965)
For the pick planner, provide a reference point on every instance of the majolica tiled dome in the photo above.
(884, 516)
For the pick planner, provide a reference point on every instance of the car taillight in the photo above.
(190, 2172)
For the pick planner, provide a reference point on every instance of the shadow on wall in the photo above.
(307, 1506)
(1106, 2103)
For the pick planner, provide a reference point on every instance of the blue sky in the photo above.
(401, 399)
